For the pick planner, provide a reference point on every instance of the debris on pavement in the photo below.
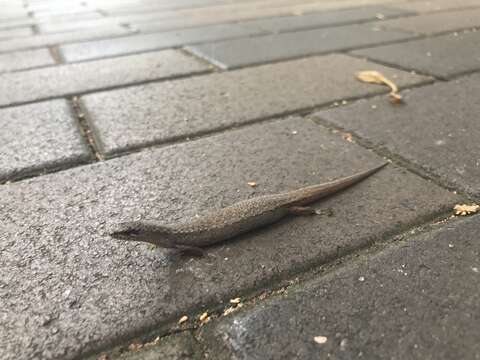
(464, 209)
(320, 339)
(204, 318)
(183, 319)
(375, 77)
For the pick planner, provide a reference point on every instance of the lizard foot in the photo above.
(192, 250)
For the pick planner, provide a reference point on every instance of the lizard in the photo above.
(241, 217)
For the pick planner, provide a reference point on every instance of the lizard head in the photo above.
(143, 231)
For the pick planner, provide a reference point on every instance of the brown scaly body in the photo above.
(235, 219)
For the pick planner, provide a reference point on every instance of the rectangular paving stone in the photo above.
(45, 40)
(436, 22)
(68, 288)
(322, 19)
(16, 32)
(249, 51)
(63, 18)
(37, 137)
(437, 5)
(443, 56)
(64, 26)
(437, 129)
(237, 13)
(146, 42)
(179, 346)
(138, 116)
(415, 300)
(15, 23)
(25, 59)
(38, 84)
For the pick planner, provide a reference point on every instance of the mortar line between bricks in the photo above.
(137, 32)
(438, 78)
(286, 279)
(398, 160)
(302, 112)
(182, 139)
(53, 50)
(396, 66)
(85, 130)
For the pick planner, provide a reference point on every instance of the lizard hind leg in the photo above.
(302, 210)
(192, 250)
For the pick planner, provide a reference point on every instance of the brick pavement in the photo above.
(136, 109)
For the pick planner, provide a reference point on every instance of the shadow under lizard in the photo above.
(235, 219)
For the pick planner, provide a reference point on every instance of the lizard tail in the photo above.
(313, 193)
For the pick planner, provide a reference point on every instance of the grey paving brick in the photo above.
(61, 18)
(436, 129)
(443, 56)
(138, 43)
(436, 22)
(67, 287)
(37, 137)
(437, 5)
(415, 300)
(14, 23)
(25, 59)
(249, 51)
(72, 79)
(17, 32)
(45, 40)
(234, 13)
(180, 346)
(322, 19)
(134, 117)
(65, 26)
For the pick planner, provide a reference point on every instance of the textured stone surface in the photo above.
(138, 43)
(64, 26)
(437, 5)
(61, 38)
(415, 300)
(78, 78)
(133, 117)
(67, 287)
(442, 56)
(436, 22)
(37, 137)
(17, 32)
(15, 23)
(242, 12)
(436, 129)
(322, 19)
(174, 347)
(249, 51)
(25, 59)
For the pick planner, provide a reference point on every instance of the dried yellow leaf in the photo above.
(375, 77)
(464, 209)
(183, 319)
